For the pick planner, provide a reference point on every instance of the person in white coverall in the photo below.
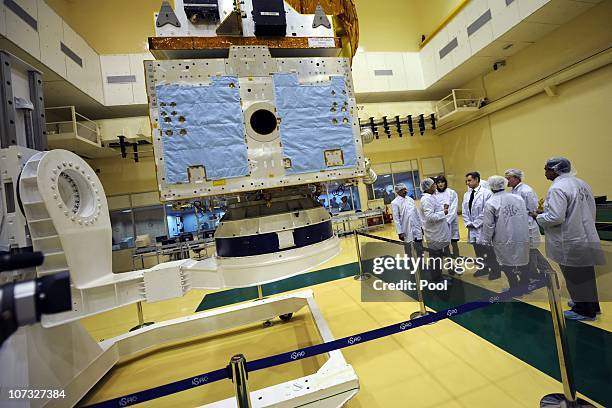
(474, 201)
(505, 227)
(448, 196)
(435, 226)
(538, 264)
(407, 221)
(572, 241)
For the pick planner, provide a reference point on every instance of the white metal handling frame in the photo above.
(66, 357)
(331, 386)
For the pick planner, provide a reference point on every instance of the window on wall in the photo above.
(140, 214)
(123, 228)
(390, 174)
(150, 221)
(432, 166)
(136, 215)
(338, 197)
(383, 187)
(407, 172)
(197, 221)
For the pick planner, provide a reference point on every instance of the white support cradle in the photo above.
(68, 218)
(66, 357)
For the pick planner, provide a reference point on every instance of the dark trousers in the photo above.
(512, 274)
(517, 275)
(418, 248)
(414, 249)
(436, 263)
(487, 253)
(455, 247)
(582, 287)
(538, 265)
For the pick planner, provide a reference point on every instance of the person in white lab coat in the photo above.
(448, 196)
(538, 264)
(474, 201)
(505, 227)
(572, 241)
(435, 226)
(407, 221)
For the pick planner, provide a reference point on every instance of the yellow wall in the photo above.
(124, 176)
(110, 26)
(574, 41)
(466, 149)
(397, 25)
(575, 124)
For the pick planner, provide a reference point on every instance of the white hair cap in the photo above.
(515, 172)
(426, 184)
(559, 165)
(399, 187)
(497, 183)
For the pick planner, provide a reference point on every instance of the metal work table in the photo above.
(370, 219)
(177, 251)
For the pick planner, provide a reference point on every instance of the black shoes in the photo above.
(481, 272)
(494, 275)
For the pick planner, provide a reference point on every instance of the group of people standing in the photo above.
(504, 229)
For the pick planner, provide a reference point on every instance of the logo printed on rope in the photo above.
(451, 312)
(298, 354)
(125, 401)
(405, 326)
(199, 380)
(353, 340)
(494, 299)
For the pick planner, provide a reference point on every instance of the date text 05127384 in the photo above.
(36, 394)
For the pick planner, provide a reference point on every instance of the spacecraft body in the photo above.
(264, 123)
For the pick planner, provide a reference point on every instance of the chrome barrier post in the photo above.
(362, 276)
(568, 399)
(141, 322)
(240, 378)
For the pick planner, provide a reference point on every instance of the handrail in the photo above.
(444, 22)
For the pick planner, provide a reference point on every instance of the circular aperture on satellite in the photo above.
(76, 194)
(263, 121)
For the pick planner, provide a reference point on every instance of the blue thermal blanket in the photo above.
(314, 118)
(205, 128)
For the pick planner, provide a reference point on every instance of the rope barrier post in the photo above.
(422, 310)
(141, 321)
(362, 276)
(259, 292)
(240, 378)
(568, 399)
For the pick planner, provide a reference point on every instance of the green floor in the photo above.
(520, 329)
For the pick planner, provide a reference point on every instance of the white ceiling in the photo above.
(542, 22)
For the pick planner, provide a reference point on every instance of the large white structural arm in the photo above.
(67, 214)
